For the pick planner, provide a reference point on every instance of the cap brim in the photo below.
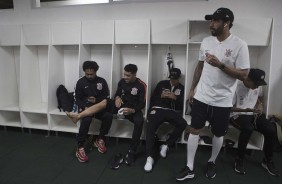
(208, 17)
(261, 83)
(173, 77)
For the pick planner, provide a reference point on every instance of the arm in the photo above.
(118, 100)
(105, 93)
(196, 78)
(141, 101)
(81, 101)
(142, 97)
(179, 102)
(239, 74)
(259, 105)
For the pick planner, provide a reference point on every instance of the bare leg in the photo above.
(87, 112)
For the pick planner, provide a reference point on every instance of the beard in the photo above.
(216, 32)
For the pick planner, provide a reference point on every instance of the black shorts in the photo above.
(218, 117)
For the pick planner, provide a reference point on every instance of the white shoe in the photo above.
(149, 164)
(164, 149)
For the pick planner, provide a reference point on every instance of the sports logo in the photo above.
(134, 91)
(228, 52)
(177, 91)
(99, 86)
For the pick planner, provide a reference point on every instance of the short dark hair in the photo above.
(132, 68)
(90, 65)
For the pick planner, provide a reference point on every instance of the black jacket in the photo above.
(85, 88)
(133, 94)
(178, 90)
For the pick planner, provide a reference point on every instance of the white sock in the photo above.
(216, 146)
(192, 146)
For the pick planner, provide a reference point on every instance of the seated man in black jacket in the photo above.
(166, 106)
(92, 94)
(130, 99)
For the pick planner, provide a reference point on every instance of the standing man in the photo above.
(223, 58)
(130, 99)
(92, 90)
(248, 116)
(166, 106)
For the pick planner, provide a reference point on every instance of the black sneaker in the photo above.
(185, 173)
(129, 158)
(239, 166)
(211, 170)
(269, 166)
(118, 159)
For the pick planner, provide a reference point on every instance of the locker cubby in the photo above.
(160, 72)
(63, 69)
(198, 30)
(130, 54)
(62, 123)
(10, 118)
(34, 120)
(159, 62)
(102, 54)
(34, 77)
(9, 77)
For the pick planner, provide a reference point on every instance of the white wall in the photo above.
(25, 13)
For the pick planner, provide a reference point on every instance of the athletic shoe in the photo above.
(100, 144)
(118, 159)
(164, 149)
(130, 158)
(269, 166)
(149, 164)
(185, 174)
(239, 166)
(81, 155)
(211, 170)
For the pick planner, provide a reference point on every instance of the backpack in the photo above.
(278, 123)
(65, 99)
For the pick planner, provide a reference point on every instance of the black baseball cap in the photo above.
(222, 14)
(257, 76)
(175, 73)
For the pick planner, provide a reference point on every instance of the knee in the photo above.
(194, 131)
(183, 124)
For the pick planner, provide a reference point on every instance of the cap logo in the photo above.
(262, 77)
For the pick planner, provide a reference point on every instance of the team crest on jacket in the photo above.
(99, 86)
(177, 91)
(228, 52)
(134, 91)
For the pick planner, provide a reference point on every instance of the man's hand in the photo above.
(213, 60)
(168, 95)
(191, 96)
(118, 102)
(128, 111)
